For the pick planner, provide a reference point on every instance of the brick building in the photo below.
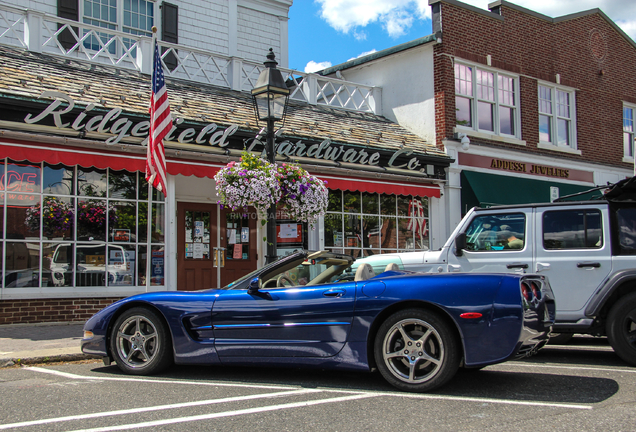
(545, 106)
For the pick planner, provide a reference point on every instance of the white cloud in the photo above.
(313, 66)
(395, 16)
(363, 54)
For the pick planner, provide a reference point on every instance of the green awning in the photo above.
(487, 190)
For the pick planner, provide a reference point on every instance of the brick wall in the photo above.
(535, 48)
(51, 310)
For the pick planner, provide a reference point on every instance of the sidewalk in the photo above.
(44, 342)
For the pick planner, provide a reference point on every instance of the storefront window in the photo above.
(58, 180)
(78, 227)
(91, 182)
(363, 224)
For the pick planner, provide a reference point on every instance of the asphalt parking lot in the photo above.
(582, 386)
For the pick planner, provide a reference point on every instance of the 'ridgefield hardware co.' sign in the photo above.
(63, 113)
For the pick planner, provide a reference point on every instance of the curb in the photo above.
(6, 362)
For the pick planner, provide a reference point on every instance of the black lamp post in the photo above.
(270, 104)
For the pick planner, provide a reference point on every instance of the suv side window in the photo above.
(626, 220)
(496, 232)
(572, 229)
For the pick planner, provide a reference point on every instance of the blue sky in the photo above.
(311, 38)
(329, 32)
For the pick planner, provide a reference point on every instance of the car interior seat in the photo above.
(364, 272)
(392, 267)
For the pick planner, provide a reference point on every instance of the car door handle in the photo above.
(334, 293)
(517, 266)
(588, 265)
(543, 266)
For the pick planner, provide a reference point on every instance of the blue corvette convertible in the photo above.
(323, 310)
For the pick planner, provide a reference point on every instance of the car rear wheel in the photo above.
(416, 351)
(140, 343)
(621, 328)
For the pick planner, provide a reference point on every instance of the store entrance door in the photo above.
(238, 244)
(196, 243)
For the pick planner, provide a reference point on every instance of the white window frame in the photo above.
(555, 117)
(628, 146)
(496, 104)
(119, 25)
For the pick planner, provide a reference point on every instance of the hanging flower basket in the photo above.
(93, 213)
(250, 182)
(304, 196)
(57, 216)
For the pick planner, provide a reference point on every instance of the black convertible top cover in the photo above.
(622, 192)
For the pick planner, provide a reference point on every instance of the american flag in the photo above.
(160, 125)
(417, 223)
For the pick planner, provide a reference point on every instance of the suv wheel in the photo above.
(621, 328)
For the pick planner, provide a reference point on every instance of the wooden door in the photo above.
(196, 243)
(238, 244)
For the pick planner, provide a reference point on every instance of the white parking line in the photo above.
(311, 403)
(489, 400)
(229, 413)
(353, 395)
(157, 408)
(547, 366)
(161, 381)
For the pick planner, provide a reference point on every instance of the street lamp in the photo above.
(271, 96)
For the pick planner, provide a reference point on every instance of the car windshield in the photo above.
(300, 269)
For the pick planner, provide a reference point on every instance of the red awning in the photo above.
(100, 159)
(381, 186)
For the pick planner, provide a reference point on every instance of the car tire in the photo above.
(560, 338)
(415, 350)
(140, 342)
(621, 328)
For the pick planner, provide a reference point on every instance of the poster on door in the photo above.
(157, 268)
(198, 230)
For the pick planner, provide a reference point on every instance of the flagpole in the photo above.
(149, 214)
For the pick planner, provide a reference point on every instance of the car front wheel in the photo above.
(140, 342)
(416, 351)
(621, 328)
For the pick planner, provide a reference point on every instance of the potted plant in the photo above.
(250, 182)
(303, 195)
(57, 217)
(93, 213)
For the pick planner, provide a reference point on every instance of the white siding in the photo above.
(46, 6)
(257, 33)
(408, 93)
(204, 25)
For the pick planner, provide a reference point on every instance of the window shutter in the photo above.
(170, 31)
(68, 9)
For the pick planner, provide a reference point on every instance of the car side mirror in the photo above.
(253, 286)
(460, 244)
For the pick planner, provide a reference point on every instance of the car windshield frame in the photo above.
(294, 260)
(238, 284)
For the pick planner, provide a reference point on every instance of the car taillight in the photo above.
(535, 290)
(526, 291)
